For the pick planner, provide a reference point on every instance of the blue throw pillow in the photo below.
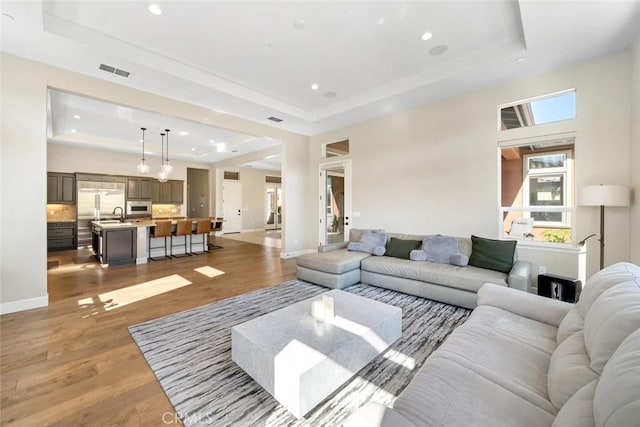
(371, 242)
(440, 249)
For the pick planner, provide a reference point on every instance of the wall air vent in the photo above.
(274, 119)
(114, 70)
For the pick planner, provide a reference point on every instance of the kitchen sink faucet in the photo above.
(121, 212)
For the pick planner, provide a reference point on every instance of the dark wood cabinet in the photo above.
(61, 188)
(170, 192)
(139, 189)
(61, 235)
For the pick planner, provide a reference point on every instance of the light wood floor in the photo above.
(74, 362)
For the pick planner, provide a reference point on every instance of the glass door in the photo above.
(335, 199)
(273, 206)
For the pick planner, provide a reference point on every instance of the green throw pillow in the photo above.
(399, 248)
(492, 254)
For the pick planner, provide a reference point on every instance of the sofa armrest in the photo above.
(333, 247)
(541, 309)
(520, 276)
(376, 415)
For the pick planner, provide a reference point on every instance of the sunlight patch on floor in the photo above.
(209, 271)
(131, 294)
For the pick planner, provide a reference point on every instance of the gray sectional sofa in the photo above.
(337, 267)
(525, 360)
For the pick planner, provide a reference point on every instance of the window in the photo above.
(334, 149)
(537, 111)
(537, 190)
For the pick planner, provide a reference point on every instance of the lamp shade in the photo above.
(604, 195)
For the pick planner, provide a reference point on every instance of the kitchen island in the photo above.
(117, 243)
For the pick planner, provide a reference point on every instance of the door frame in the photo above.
(322, 191)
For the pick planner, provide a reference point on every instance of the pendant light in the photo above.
(167, 167)
(163, 176)
(143, 167)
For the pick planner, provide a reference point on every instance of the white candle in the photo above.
(317, 310)
(327, 301)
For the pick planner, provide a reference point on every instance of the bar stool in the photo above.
(217, 226)
(183, 228)
(161, 229)
(203, 226)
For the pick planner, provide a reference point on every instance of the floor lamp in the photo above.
(603, 195)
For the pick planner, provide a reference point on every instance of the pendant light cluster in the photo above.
(166, 168)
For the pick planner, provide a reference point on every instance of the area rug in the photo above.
(190, 355)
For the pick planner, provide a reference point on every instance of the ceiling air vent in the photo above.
(274, 119)
(114, 70)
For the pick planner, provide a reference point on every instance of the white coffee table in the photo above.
(301, 361)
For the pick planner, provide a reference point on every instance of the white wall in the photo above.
(23, 166)
(435, 169)
(635, 152)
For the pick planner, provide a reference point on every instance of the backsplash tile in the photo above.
(61, 213)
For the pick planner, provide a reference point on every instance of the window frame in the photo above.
(569, 208)
(526, 192)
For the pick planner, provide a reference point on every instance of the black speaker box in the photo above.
(559, 287)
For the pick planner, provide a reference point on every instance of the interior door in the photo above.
(232, 206)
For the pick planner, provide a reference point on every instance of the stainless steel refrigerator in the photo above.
(97, 200)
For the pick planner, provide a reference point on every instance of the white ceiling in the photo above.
(249, 59)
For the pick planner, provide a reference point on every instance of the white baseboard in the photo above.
(297, 253)
(24, 304)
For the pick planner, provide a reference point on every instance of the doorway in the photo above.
(232, 206)
(273, 206)
(335, 202)
(197, 193)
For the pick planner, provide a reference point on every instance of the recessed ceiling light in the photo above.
(183, 133)
(193, 149)
(381, 21)
(221, 147)
(438, 50)
(426, 36)
(520, 59)
(75, 116)
(155, 9)
(315, 86)
(212, 141)
(141, 140)
(73, 131)
(299, 24)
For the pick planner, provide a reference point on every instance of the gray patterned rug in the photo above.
(190, 354)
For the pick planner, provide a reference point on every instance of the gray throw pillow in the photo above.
(440, 249)
(371, 242)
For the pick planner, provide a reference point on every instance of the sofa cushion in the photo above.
(572, 323)
(445, 393)
(507, 349)
(335, 262)
(617, 397)
(492, 254)
(578, 411)
(400, 248)
(603, 280)
(466, 278)
(569, 370)
(612, 317)
(370, 241)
